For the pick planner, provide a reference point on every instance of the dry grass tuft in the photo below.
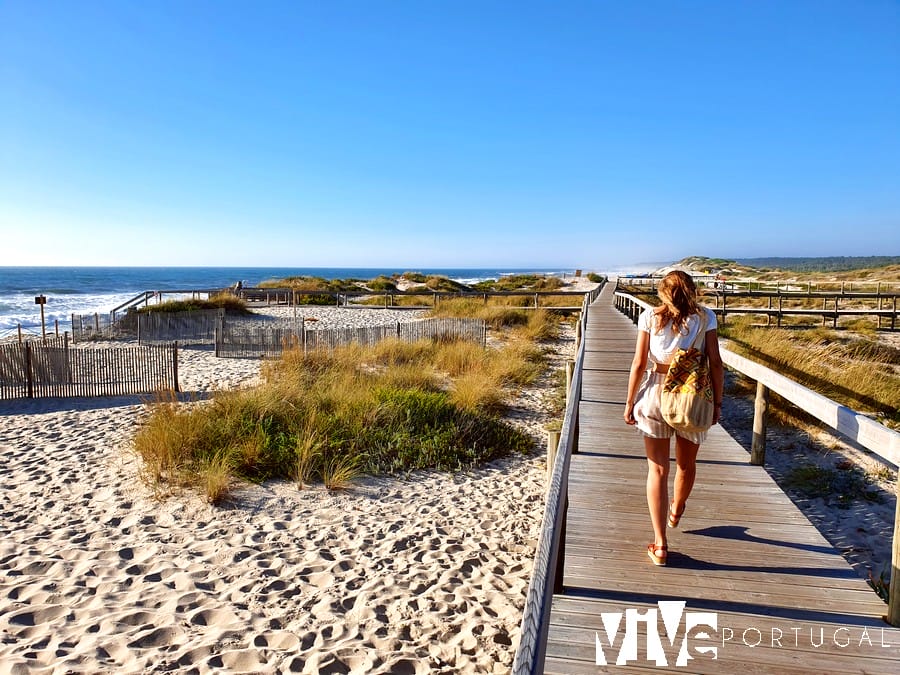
(854, 370)
(215, 478)
(475, 391)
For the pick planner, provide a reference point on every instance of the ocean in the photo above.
(86, 290)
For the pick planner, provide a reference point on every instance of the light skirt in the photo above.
(648, 416)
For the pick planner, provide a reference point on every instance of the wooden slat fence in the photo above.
(38, 370)
(93, 327)
(236, 341)
(193, 327)
(431, 329)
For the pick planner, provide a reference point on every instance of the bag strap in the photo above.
(701, 333)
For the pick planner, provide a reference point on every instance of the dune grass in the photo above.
(230, 303)
(852, 368)
(330, 416)
(516, 282)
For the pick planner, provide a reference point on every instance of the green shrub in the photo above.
(382, 284)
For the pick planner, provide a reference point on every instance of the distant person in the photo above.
(661, 332)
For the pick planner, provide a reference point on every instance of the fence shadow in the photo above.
(40, 406)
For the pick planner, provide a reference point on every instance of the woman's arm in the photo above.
(716, 371)
(638, 365)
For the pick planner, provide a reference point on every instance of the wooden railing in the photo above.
(857, 427)
(288, 296)
(880, 304)
(710, 281)
(144, 298)
(549, 559)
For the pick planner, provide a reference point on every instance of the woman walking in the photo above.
(661, 332)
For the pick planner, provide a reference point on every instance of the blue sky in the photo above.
(463, 134)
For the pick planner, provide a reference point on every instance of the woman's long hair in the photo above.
(679, 296)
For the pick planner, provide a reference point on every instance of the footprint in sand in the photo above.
(240, 661)
(213, 617)
(157, 638)
(36, 616)
(136, 619)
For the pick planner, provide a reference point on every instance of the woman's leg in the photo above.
(658, 485)
(685, 472)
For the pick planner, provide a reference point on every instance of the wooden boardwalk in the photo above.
(784, 600)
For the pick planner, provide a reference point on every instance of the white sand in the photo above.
(419, 574)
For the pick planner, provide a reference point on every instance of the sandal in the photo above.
(654, 551)
(674, 518)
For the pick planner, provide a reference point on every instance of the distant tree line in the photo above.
(825, 264)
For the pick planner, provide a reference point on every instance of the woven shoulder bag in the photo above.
(686, 401)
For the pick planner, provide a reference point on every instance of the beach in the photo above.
(418, 573)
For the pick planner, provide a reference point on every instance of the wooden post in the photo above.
(570, 372)
(68, 365)
(29, 375)
(552, 448)
(175, 366)
(835, 312)
(760, 411)
(893, 615)
(561, 556)
(578, 333)
(43, 329)
(20, 333)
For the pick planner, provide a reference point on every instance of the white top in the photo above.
(663, 345)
